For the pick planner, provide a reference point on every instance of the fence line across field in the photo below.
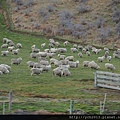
(107, 80)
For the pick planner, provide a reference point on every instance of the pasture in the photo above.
(79, 86)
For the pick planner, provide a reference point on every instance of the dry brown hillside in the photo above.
(87, 21)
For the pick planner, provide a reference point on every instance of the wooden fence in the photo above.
(107, 80)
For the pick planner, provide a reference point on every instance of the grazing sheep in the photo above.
(57, 63)
(1, 72)
(42, 54)
(109, 58)
(41, 58)
(109, 66)
(43, 45)
(57, 44)
(16, 61)
(36, 71)
(30, 63)
(44, 62)
(73, 64)
(106, 49)
(64, 62)
(80, 47)
(64, 66)
(7, 66)
(38, 65)
(52, 41)
(19, 45)
(51, 45)
(93, 65)
(5, 40)
(106, 54)
(4, 53)
(100, 59)
(73, 50)
(33, 46)
(52, 60)
(47, 50)
(70, 58)
(57, 71)
(10, 48)
(116, 55)
(75, 45)
(33, 55)
(35, 50)
(15, 52)
(4, 46)
(80, 55)
(61, 57)
(95, 50)
(4, 69)
(65, 72)
(53, 50)
(65, 43)
(46, 68)
(85, 63)
(61, 50)
(50, 55)
(88, 53)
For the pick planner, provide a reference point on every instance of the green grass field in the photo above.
(78, 86)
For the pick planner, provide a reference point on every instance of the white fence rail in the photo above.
(107, 80)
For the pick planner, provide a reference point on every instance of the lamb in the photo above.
(10, 48)
(50, 55)
(7, 66)
(88, 53)
(65, 43)
(57, 71)
(43, 45)
(33, 46)
(33, 55)
(16, 61)
(109, 58)
(35, 50)
(30, 63)
(93, 65)
(4, 53)
(73, 50)
(4, 46)
(19, 45)
(61, 57)
(65, 72)
(116, 55)
(73, 64)
(75, 45)
(85, 63)
(70, 58)
(15, 52)
(52, 60)
(109, 66)
(44, 62)
(64, 62)
(80, 55)
(38, 65)
(46, 68)
(4, 69)
(100, 59)
(61, 50)
(80, 47)
(36, 71)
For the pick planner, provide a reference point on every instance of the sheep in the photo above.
(1, 72)
(11, 43)
(44, 62)
(80, 55)
(43, 45)
(80, 47)
(61, 57)
(73, 50)
(16, 61)
(64, 66)
(85, 63)
(47, 50)
(19, 45)
(33, 46)
(41, 58)
(106, 49)
(51, 45)
(42, 54)
(57, 44)
(53, 50)
(65, 72)
(30, 63)
(46, 68)
(75, 45)
(36, 71)
(50, 55)
(4, 69)
(65, 43)
(106, 54)
(4, 46)
(5, 40)
(7, 66)
(109, 66)
(70, 58)
(88, 53)
(52, 60)
(109, 58)
(4, 53)
(57, 71)
(10, 48)
(52, 41)
(100, 59)
(93, 65)
(95, 50)
(61, 50)
(116, 55)
(57, 63)
(15, 52)
(33, 55)
(64, 62)
(73, 64)
(35, 50)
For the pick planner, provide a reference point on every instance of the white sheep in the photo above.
(30, 63)
(36, 71)
(35, 50)
(57, 71)
(19, 45)
(93, 65)
(65, 72)
(53, 50)
(85, 63)
(64, 66)
(80, 55)
(38, 65)
(109, 66)
(84, 50)
(4, 53)
(100, 59)
(61, 57)
(70, 58)
(10, 48)
(5, 40)
(106, 49)
(42, 54)
(44, 62)
(7, 66)
(16, 61)
(75, 45)
(80, 47)
(4, 46)
(73, 50)
(51, 45)
(43, 45)
(116, 55)
(50, 55)
(65, 43)
(73, 64)
(4, 69)
(1, 72)
(61, 50)
(52, 60)
(88, 53)
(109, 58)
(57, 44)
(47, 50)
(34, 55)
(33, 46)
(15, 52)
(57, 63)
(46, 68)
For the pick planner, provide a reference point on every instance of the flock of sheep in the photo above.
(47, 57)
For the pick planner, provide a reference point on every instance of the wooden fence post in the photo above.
(95, 78)
(71, 106)
(3, 108)
(10, 100)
